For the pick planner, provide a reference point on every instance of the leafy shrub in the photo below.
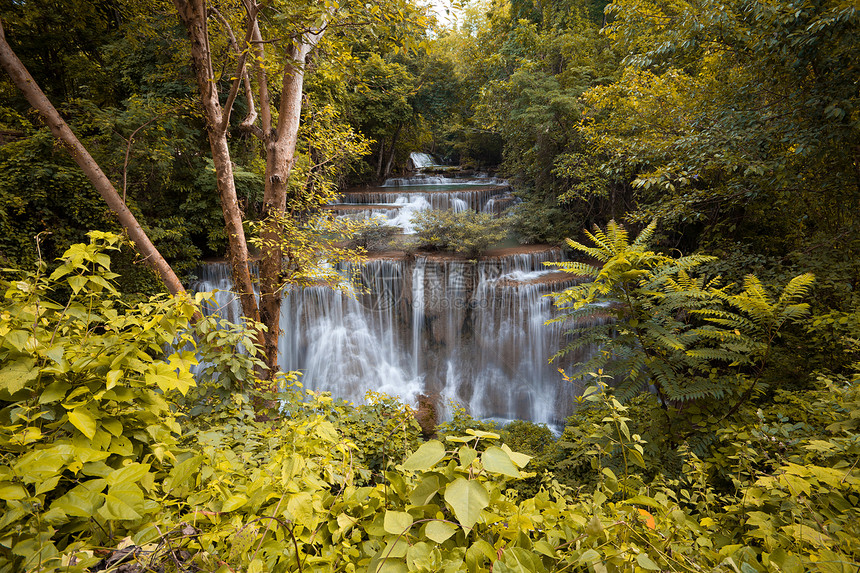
(374, 235)
(94, 456)
(86, 423)
(467, 232)
(690, 340)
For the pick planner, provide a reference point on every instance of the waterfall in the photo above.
(421, 160)
(471, 332)
(459, 331)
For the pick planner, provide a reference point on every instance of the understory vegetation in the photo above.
(114, 452)
(709, 150)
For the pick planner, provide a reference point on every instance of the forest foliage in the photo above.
(718, 429)
(109, 441)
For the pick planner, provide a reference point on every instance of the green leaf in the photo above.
(467, 498)
(301, 508)
(82, 419)
(397, 522)
(234, 502)
(646, 562)
(482, 434)
(520, 460)
(16, 339)
(55, 391)
(14, 376)
(495, 460)
(9, 491)
(42, 464)
(425, 490)
(77, 282)
(181, 473)
(112, 377)
(116, 508)
(131, 473)
(439, 531)
(427, 456)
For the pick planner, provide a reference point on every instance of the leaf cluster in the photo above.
(466, 232)
(658, 326)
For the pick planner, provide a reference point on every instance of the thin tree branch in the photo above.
(262, 80)
(240, 76)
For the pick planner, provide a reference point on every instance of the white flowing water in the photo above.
(421, 160)
(469, 332)
(458, 331)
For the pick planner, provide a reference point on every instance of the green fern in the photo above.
(686, 337)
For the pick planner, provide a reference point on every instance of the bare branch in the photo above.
(262, 79)
(241, 74)
(129, 143)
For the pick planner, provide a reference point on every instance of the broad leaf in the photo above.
(15, 375)
(495, 460)
(439, 531)
(467, 498)
(427, 456)
(397, 522)
(83, 421)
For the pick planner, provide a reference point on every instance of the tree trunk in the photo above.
(193, 16)
(25, 82)
(380, 159)
(391, 154)
(280, 157)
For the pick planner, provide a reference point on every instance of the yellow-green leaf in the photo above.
(15, 375)
(495, 460)
(234, 502)
(83, 421)
(397, 522)
(439, 531)
(427, 456)
(467, 498)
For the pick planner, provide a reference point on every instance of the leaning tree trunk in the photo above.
(193, 16)
(28, 86)
(280, 157)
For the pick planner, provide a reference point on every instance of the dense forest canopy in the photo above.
(699, 161)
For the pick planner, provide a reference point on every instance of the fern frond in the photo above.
(717, 354)
(599, 238)
(601, 255)
(727, 319)
(793, 313)
(575, 267)
(618, 236)
(797, 288)
(646, 234)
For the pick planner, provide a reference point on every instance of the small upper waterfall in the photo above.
(470, 332)
(418, 160)
(398, 199)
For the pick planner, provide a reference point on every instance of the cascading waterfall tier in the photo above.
(456, 331)
(472, 333)
(399, 199)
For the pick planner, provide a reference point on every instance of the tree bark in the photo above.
(193, 16)
(25, 82)
(280, 157)
(391, 153)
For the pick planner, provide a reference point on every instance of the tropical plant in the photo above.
(466, 232)
(686, 337)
